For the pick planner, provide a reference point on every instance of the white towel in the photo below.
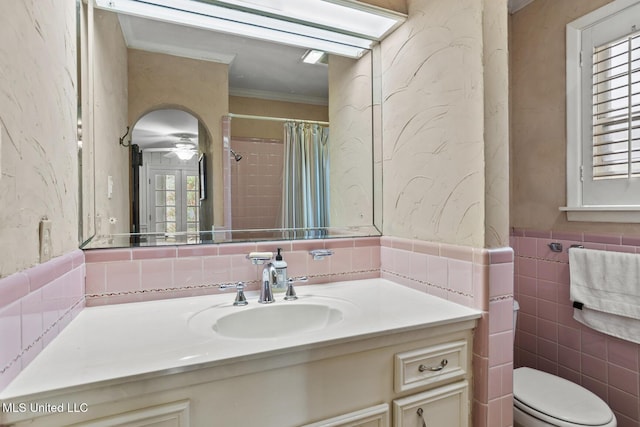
(608, 285)
(625, 328)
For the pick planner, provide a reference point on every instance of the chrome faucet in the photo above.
(269, 278)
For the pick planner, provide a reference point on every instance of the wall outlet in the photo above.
(109, 186)
(45, 240)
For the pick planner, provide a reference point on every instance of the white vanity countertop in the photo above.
(122, 341)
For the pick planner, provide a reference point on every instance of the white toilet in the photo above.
(544, 400)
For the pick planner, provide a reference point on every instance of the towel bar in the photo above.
(555, 247)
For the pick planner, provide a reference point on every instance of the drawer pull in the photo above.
(440, 367)
(420, 412)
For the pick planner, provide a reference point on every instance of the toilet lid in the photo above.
(559, 399)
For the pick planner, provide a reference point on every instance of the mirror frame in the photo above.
(88, 233)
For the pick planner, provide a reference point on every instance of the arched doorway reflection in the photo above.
(167, 198)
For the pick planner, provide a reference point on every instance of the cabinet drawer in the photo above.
(435, 364)
(443, 406)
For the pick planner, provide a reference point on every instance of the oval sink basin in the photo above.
(275, 320)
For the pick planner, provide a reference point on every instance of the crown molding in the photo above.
(277, 96)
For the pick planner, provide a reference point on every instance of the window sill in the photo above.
(627, 214)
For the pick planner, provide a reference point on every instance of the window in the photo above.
(616, 109)
(603, 114)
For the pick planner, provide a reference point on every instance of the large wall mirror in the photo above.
(197, 136)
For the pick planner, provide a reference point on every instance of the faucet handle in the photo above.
(240, 298)
(232, 285)
(291, 293)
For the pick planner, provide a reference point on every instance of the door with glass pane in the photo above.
(173, 199)
(192, 211)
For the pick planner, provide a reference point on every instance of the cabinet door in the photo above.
(168, 415)
(446, 406)
(375, 416)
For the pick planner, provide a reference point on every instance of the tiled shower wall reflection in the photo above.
(547, 336)
(256, 183)
(477, 278)
(35, 305)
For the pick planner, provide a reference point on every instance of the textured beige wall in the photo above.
(538, 114)
(110, 122)
(199, 87)
(244, 128)
(496, 122)
(433, 147)
(38, 154)
(350, 141)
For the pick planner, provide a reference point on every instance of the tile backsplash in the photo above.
(129, 275)
(35, 305)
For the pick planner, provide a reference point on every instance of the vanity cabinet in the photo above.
(442, 370)
(446, 405)
(151, 365)
(372, 382)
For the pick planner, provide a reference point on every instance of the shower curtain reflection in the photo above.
(305, 198)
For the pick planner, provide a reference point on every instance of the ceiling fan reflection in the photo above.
(185, 149)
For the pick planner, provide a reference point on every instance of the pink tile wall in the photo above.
(256, 189)
(477, 278)
(129, 275)
(547, 336)
(35, 305)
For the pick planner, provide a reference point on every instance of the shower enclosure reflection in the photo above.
(283, 184)
(237, 157)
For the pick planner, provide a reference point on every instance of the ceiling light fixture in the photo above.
(185, 154)
(259, 20)
(347, 16)
(184, 151)
(313, 56)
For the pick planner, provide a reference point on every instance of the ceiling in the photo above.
(257, 69)
(163, 129)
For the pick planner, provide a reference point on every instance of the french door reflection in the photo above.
(174, 203)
